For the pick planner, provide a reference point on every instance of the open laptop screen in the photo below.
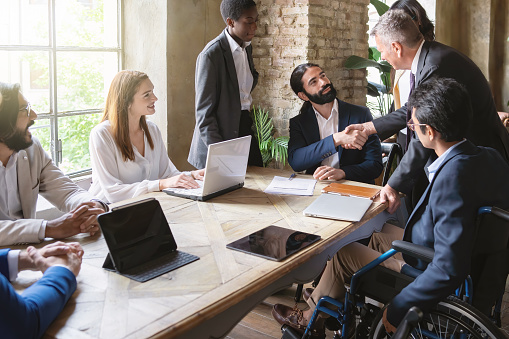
(136, 233)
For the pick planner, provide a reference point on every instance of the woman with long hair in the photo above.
(128, 153)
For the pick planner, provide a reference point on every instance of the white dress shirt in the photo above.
(244, 75)
(415, 62)
(10, 203)
(114, 179)
(328, 127)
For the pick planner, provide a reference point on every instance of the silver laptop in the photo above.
(225, 170)
(339, 207)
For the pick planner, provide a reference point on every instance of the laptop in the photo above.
(225, 170)
(338, 207)
(140, 241)
(274, 242)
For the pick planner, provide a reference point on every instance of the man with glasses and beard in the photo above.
(317, 133)
(26, 171)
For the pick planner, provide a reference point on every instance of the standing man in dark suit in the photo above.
(225, 76)
(463, 178)
(316, 134)
(402, 45)
(30, 314)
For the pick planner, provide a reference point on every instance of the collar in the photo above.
(440, 160)
(335, 110)
(416, 59)
(233, 44)
(11, 162)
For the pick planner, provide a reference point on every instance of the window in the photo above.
(64, 53)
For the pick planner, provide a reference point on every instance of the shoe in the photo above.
(293, 318)
(307, 293)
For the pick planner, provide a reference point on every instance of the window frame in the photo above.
(53, 49)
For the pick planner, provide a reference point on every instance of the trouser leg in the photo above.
(345, 263)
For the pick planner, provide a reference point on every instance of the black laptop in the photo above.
(140, 241)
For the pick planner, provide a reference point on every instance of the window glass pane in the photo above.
(83, 79)
(24, 22)
(30, 69)
(41, 130)
(74, 132)
(86, 23)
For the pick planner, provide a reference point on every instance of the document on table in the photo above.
(294, 186)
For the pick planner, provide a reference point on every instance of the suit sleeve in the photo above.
(302, 156)
(453, 213)
(56, 187)
(371, 165)
(206, 100)
(391, 123)
(30, 314)
(408, 170)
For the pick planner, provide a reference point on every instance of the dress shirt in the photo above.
(10, 203)
(328, 127)
(244, 75)
(415, 62)
(12, 261)
(114, 179)
(432, 169)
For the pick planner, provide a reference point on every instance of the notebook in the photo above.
(352, 190)
(339, 207)
(274, 242)
(140, 241)
(225, 170)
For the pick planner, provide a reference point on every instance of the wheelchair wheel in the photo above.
(450, 319)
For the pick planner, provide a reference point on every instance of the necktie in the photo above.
(409, 132)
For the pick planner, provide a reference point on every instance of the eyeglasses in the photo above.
(411, 125)
(28, 109)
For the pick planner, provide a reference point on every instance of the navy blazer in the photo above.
(217, 101)
(444, 219)
(486, 129)
(306, 151)
(30, 314)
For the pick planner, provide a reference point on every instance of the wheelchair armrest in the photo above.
(417, 251)
(386, 147)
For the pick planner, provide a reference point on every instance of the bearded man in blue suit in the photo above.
(317, 136)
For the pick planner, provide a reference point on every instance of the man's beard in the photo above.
(320, 98)
(18, 141)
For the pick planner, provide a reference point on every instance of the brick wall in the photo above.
(291, 32)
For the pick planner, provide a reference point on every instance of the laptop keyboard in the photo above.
(188, 191)
(160, 266)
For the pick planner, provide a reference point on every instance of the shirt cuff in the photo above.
(105, 206)
(12, 261)
(153, 186)
(42, 230)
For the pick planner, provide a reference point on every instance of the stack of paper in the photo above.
(294, 186)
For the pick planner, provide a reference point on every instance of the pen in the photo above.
(292, 176)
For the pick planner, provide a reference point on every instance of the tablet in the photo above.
(274, 242)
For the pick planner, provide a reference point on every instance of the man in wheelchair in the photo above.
(462, 179)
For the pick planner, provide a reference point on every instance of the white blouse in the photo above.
(114, 179)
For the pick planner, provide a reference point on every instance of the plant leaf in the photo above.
(380, 7)
(374, 54)
(372, 90)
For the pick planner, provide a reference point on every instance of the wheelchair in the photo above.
(458, 316)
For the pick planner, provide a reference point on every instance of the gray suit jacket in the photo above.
(217, 100)
(37, 174)
(438, 60)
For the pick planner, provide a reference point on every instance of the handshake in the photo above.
(354, 136)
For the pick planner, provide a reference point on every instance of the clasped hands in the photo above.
(68, 255)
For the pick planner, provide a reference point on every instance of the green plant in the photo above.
(270, 147)
(381, 91)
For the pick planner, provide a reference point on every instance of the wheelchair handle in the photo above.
(411, 320)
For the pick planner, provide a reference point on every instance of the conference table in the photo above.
(208, 297)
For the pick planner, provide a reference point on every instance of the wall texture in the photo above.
(481, 31)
